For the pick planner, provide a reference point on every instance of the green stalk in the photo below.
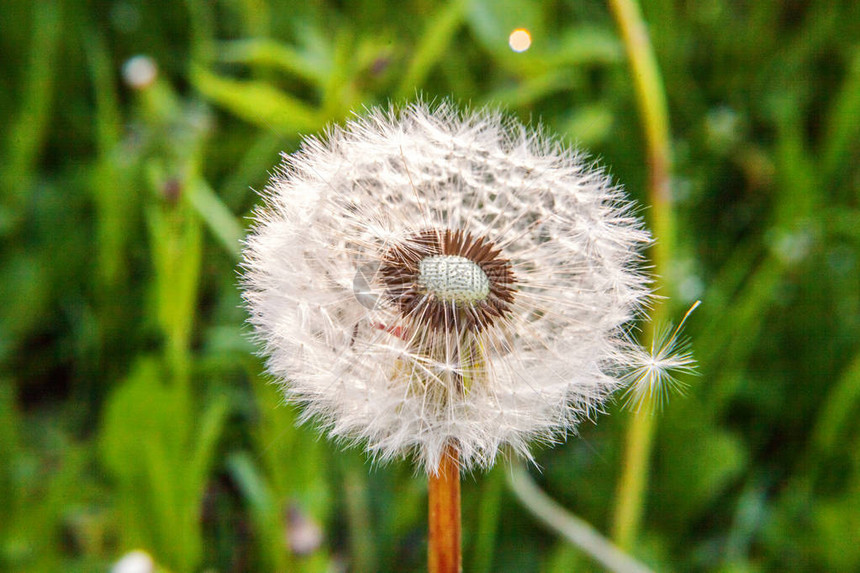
(651, 100)
(572, 528)
(361, 539)
(27, 132)
(486, 530)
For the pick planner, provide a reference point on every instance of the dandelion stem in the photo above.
(443, 554)
(651, 99)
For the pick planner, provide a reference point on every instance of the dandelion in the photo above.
(504, 267)
(439, 285)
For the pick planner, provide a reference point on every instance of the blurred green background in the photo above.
(134, 415)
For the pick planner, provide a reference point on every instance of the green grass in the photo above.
(134, 414)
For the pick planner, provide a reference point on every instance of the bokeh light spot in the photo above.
(520, 40)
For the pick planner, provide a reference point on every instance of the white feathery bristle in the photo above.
(406, 363)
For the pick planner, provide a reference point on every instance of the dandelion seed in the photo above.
(422, 278)
(653, 376)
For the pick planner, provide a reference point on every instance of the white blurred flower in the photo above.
(423, 277)
(304, 535)
(134, 562)
(139, 72)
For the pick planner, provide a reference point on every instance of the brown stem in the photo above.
(443, 551)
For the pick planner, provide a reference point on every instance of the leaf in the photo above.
(534, 88)
(589, 125)
(586, 45)
(161, 456)
(266, 512)
(257, 102)
(208, 433)
(137, 411)
(432, 46)
(216, 215)
(266, 53)
(177, 250)
(696, 463)
(27, 132)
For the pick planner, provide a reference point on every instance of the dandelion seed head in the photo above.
(421, 276)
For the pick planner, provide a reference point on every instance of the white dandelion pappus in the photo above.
(499, 271)
(652, 376)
